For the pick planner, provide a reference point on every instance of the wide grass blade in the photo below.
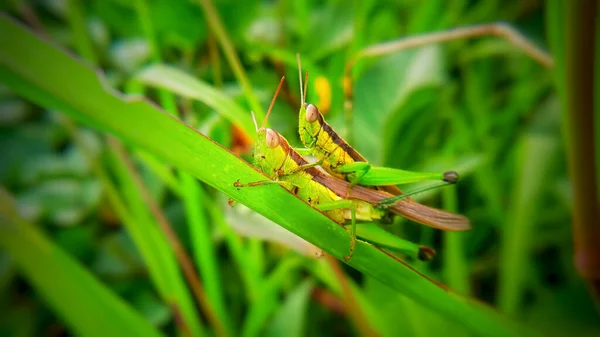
(31, 67)
(535, 155)
(87, 306)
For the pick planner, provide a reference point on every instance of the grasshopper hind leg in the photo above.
(343, 204)
(352, 235)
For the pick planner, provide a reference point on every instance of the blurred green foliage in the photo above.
(479, 106)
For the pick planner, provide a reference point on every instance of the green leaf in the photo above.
(30, 67)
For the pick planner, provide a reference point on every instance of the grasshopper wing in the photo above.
(407, 208)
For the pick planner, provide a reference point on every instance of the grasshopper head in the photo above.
(309, 124)
(269, 153)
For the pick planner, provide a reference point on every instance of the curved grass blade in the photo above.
(174, 80)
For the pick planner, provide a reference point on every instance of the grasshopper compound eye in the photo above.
(272, 138)
(312, 113)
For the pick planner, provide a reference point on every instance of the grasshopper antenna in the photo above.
(272, 102)
(305, 86)
(302, 96)
(254, 120)
(302, 87)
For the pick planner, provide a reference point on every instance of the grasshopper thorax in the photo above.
(309, 124)
(270, 151)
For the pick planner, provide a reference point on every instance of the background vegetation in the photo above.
(115, 235)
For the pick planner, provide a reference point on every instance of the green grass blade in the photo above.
(250, 276)
(456, 271)
(167, 101)
(161, 170)
(536, 153)
(204, 249)
(291, 318)
(78, 28)
(180, 83)
(153, 244)
(266, 302)
(30, 67)
(216, 25)
(87, 306)
(143, 229)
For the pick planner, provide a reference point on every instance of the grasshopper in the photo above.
(340, 160)
(284, 166)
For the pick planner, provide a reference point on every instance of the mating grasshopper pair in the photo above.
(342, 194)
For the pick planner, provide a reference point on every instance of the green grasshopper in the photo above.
(284, 166)
(340, 160)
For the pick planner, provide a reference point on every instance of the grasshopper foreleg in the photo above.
(352, 234)
(303, 167)
(239, 185)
